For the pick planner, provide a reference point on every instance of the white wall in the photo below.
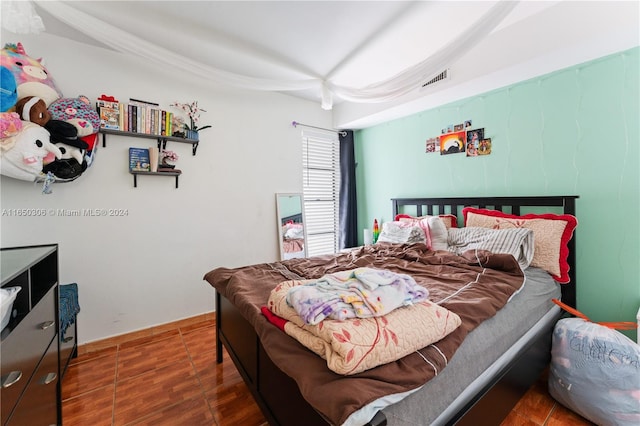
(146, 268)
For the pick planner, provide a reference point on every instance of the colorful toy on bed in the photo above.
(31, 77)
(24, 158)
(77, 111)
(8, 89)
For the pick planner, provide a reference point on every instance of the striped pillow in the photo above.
(517, 242)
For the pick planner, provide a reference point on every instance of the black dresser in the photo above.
(29, 358)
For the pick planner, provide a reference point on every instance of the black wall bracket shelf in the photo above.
(135, 176)
(162, 140)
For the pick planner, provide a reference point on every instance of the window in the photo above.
(321, 191)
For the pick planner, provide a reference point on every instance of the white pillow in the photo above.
(439, 234)
(293, 231)
(401, 233)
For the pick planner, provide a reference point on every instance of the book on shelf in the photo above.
(136, 116)
(109, 118)
(153, 158)
(122, 117)
(139, 160)
(108, 104)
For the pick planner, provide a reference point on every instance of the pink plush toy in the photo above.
(31, 77)
(10, 124)
(31, 146)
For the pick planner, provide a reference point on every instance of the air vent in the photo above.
(444, 75)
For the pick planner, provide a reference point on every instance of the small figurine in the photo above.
(376, 230)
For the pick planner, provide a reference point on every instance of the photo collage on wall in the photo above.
(460, 138)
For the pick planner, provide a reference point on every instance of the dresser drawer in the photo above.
(38, 405)
(24, 347)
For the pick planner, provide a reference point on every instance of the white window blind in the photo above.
(321, 190)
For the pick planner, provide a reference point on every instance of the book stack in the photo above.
(146, 160)
(136, 116)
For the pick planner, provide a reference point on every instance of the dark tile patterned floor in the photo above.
(171, 377)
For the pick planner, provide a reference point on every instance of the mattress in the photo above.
(528, 311)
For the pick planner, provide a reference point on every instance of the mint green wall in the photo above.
(572, 132)
(289, 204)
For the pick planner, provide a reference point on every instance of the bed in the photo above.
(478, 385)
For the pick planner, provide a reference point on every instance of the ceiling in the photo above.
(349, 44)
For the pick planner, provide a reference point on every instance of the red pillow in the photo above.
(551, 233)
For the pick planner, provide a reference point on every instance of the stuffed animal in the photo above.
(25, 159)
(63, 132)
(8, 89)
(65, 169)
(71, 152)
(77, 111)
(31, 77)
(10, 125)
(33, 109)
(71, 164)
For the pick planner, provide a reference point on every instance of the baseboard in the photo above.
(114, 341)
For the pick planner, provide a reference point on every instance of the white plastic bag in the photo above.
(595, 372)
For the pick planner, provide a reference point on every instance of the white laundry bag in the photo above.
(595, 372)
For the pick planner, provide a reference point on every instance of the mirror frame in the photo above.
(279, 221)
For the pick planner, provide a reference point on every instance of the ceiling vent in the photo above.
(444, 75)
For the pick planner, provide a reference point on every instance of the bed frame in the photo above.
(278, 396)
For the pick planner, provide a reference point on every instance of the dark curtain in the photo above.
(348, 209)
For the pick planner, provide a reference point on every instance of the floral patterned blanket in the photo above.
(358, 344)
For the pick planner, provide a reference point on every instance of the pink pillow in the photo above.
(551, 233)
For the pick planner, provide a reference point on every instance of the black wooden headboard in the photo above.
(513, 205)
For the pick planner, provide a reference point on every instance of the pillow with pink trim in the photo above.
(434, 227)
(551, 233)
(450, 220)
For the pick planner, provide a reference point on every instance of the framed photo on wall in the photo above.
(452, 143)
(485, 147)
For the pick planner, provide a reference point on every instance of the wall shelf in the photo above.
(162, 140)
(135, 176)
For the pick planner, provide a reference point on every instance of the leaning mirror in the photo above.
(291, 230)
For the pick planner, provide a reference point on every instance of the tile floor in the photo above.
(171, 378)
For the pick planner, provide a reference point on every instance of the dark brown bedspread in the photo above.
(472, 291)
